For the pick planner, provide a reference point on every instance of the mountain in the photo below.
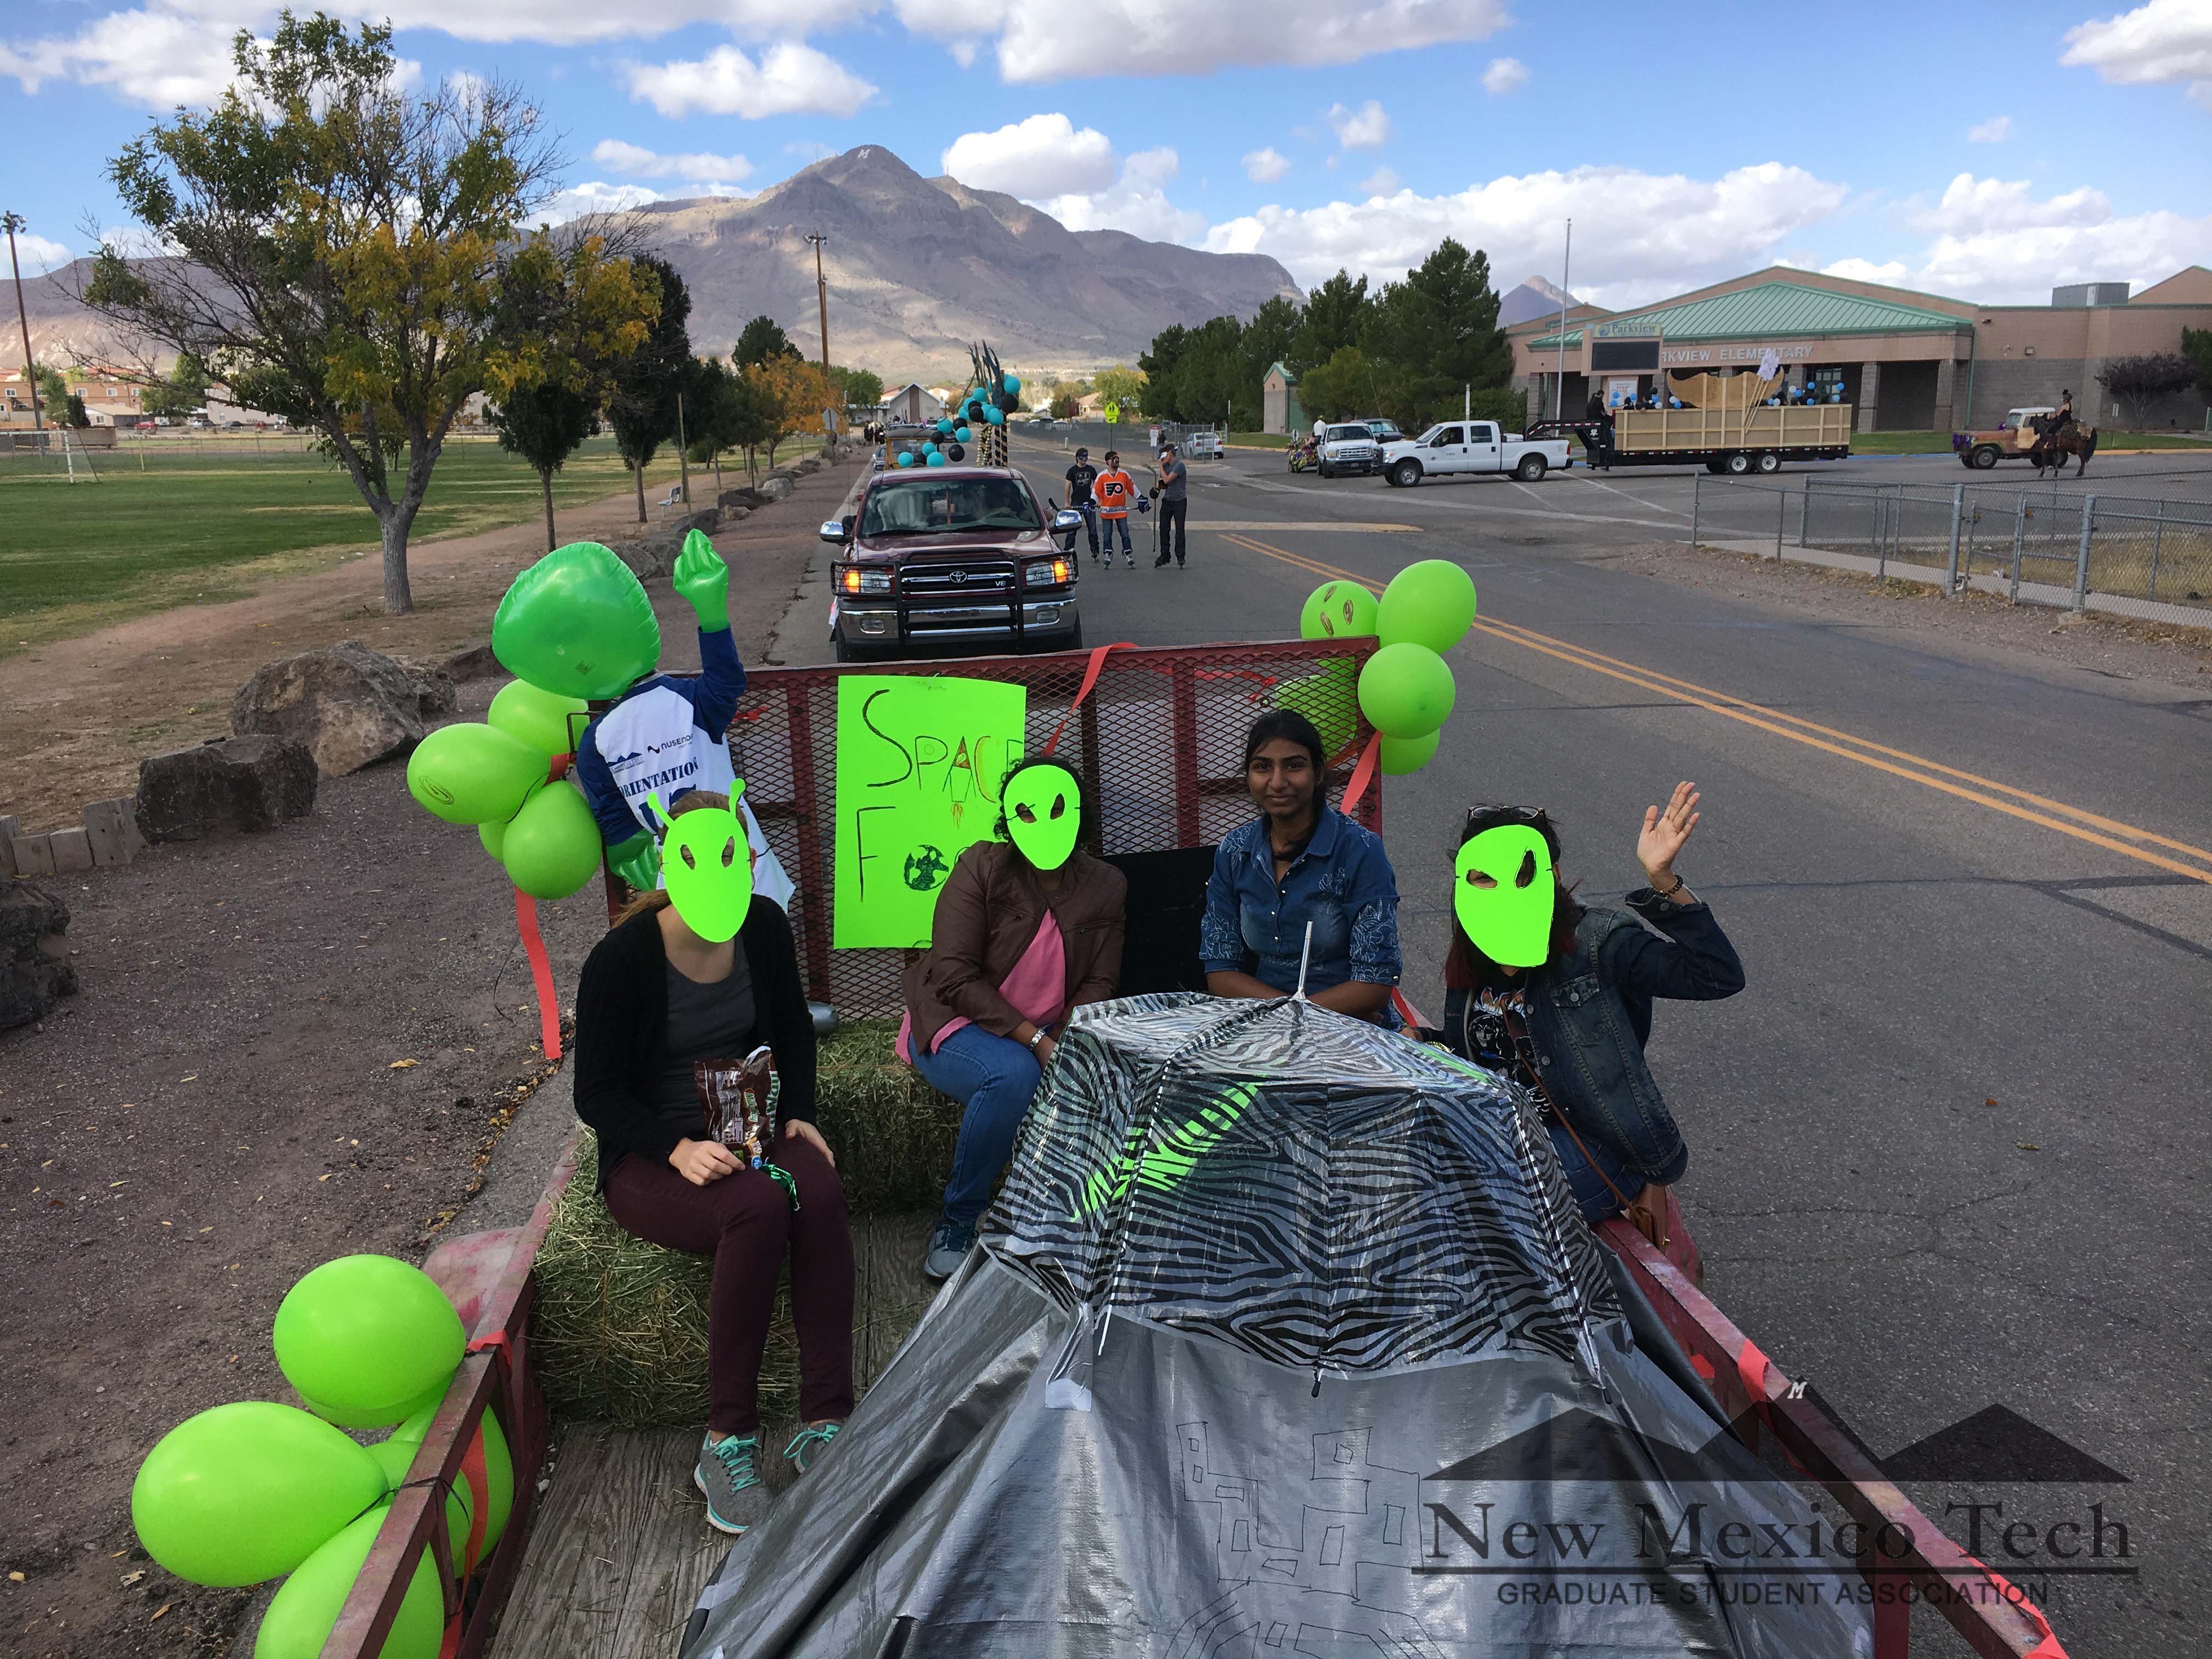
(1537, 297)
(917, 269)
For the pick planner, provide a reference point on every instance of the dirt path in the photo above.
(77, 716)
(219, 1108)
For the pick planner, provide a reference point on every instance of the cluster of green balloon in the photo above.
(1406, 689)
(247, 1493)
(577, 624)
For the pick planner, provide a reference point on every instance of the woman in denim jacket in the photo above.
(1572, 1030)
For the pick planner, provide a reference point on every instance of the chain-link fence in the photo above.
(2142, 556)
(1158, 741)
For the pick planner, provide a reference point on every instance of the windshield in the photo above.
(926, 507)
(1343, 434)
(1385, 429)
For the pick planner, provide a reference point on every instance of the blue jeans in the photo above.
(1586, 1181)
(1121, 523)
(995, 1077)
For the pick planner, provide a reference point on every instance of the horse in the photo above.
(2053, 445)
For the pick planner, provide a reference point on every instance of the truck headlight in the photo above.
(863, 579)
(1048, 573)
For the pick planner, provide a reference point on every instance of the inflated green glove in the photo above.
(703, 581)
(637, 861)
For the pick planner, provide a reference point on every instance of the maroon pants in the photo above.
(745, 1223)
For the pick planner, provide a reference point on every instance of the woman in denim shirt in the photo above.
(1572, 1030)
(1300, 862)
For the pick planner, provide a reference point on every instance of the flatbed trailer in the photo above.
(1731, 441)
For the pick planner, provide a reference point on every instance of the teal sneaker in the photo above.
(809, 1441)
(729, 1475)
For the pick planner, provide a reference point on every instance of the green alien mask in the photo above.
(1044, 812)
(1503, 893)
(708, 866)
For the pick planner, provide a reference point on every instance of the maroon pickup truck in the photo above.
(952, 555)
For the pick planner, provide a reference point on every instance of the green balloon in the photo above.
(499, 1465)
(469, 773)
(493, 834)
(1406, 690)
(303, 1611)
(1327, 700)
(539, 718)
(1429, 604)
(553, 848)
(246, 1492)
(1402, 755)
(1338, 610)
(395, 1457)
(577, 623)
(364, 1337)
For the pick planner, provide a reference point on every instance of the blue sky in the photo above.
(1988, 153)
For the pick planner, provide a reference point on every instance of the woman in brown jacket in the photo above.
(1028, 927)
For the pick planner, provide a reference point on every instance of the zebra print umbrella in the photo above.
(1282, 1337)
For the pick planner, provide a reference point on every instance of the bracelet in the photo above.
(1036, 1039)
(1679, 885)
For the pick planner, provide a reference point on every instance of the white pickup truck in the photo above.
(1457, 446)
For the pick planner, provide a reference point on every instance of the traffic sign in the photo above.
(1113, 414)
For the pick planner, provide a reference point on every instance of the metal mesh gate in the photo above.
(1159, 742)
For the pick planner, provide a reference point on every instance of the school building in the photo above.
(1904, 360)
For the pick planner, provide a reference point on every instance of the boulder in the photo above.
(470, 662)
(706, 520)
(351, 705)
(745, 499)
(808, 467)
(736, 514)
(34, 965)
(776, 487)
(226, 786)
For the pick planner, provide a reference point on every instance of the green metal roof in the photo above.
(1776, 310)
(1276, 368)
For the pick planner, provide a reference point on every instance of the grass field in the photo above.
(205, 526)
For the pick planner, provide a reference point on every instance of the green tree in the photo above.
(1161, 364)
(2196, 346)
(179, 392)
(763, 339)
(644, 383)
(1268, 338)
(862, 388)
(1335, 316)
(1065, 406)
(1341, 388)
(345, 247)
(1435, 334)
(1123, 386)
(752, 414)
(60, 405)
(544, 424)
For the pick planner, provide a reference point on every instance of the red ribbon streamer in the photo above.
(2048, 1647)
(1090, 682)
(541, 972)
(1362, 775)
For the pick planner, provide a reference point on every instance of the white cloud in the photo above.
(152, 57)
(1995, 240)
(719, 174)
(964, 52)
(1360, 129)
(2164, 42)
(1137, 203)
(1380, 182)
(1995, 130)
(1504, 74)
(1649, 235)
(1264, 167)
(37, 255)
(594, 196)
(790, 79)
(1044, 156)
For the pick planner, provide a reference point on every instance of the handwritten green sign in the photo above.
(920, 759)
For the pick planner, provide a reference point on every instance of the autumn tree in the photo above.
(763, 339)
(343, 248)
(1124, 387)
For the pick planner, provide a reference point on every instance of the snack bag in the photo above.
(738, 1099)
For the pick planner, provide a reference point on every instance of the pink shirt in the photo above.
(1038, 988)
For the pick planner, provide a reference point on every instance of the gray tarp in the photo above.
(1282, 1337)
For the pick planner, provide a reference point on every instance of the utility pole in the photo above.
(822, 300)
(1566, 271)
(14, 222)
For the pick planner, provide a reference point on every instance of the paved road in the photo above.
(1949, 1147)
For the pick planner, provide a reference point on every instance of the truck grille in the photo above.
(961, 579)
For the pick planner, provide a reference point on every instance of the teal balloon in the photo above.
(945, 426)
(306, 1608)
(905, 457)
(937, 458)
(246, 1492)
(364, 1337)
(577, 623)
(964, 435)
(1399, 755)
(467, 773)
(553, 847)
(1012, 384)
(1406, 690)
(994, 416)
(544, 720)
(1429, 604)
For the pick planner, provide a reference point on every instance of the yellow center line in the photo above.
(1808, 732)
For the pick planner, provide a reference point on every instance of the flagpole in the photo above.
(1567, 275)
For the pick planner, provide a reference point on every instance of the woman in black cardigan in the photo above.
(655, 997)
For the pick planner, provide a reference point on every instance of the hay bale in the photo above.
(618, 1327)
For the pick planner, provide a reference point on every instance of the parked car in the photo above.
(1385, 429)
(1040, 419)
(1348, 446)
(2010, 440)
(1452, 447)
(952, 555)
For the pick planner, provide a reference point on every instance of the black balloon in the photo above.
(956, 452)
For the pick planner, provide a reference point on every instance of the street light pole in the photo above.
(15, 221)
(1566, 273)
(821, 301)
